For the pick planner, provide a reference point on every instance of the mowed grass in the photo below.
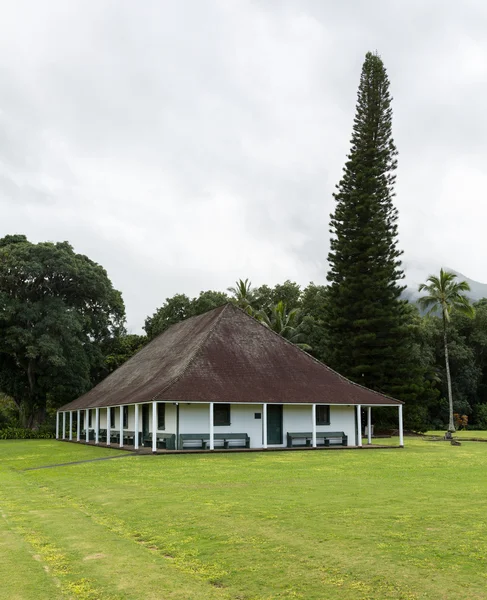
(356, 524)
(467, 433)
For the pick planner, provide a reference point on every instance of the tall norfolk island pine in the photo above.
(367, 320)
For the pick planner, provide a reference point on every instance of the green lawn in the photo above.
(358, 524)
(462, 434)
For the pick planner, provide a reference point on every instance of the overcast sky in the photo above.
(183, 145)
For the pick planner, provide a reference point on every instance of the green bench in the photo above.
(329, 438)
(204, 438)
(164, 441)
(91, 435)
(102, 435)
(128, 437)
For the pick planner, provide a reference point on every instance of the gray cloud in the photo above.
(184, 145)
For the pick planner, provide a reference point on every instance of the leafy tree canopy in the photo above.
(288, 292)
(180, 307)
(56, 307)
(284, 322)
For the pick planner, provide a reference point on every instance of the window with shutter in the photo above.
(221, 414)
(322, 414)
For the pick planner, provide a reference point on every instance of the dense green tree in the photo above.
(444, 294)
(475, 333)
(265, 297)
(56, 309)
(465, 371)
(180, 307)
(421, 393)
(173, 310)
(289, 293)
(313, 309)
(9, 411)
(207, 301)
(115, 351)
(284, 322)
(366, 320)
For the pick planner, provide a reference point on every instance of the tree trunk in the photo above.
(451, 425)
(27, 404)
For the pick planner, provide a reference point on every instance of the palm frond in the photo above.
(444, 294)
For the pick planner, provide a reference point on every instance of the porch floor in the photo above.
(221, 450)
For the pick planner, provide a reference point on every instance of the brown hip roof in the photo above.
(225, 355)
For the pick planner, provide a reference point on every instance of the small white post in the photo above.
(369, 425)
(87, 425)
(313, 424)
(401, 432)
(121, 427)
(97, 425)
(64, 425)
(154, 427)
(57, 425)
(70, 425)
(264, 426)
(136, 427)
(359, 425)
(109, 425)
(212, 428)
(78, 425)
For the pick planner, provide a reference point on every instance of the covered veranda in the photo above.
(73, 425)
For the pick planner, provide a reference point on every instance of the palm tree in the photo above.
(444, 294)
(243, 295)
(284, 323)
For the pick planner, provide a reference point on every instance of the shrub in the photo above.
(481, 415)
(461, 421)
(19, 433)
(9, 413)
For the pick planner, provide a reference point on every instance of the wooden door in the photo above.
(274, 424)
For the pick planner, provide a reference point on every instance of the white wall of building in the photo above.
(298, 418)
(195, 418)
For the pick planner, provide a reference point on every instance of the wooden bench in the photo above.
(164, 441)
(329, 438)
(91, 435)
(204, 438)
(102, 435)
(128, 437)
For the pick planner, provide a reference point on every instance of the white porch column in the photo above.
(136, 427)
(64, 425)
(313, 424)
(97, 425)
(57, 425)
(264, 426)
(369, 425)
(401, 432)
(70, 425)
(359, 425)
(212, 428)
(154, 427)
(87, 424)
(109, 425)
(78, 425)
(121, 426)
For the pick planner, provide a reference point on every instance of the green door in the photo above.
(145, 420)
(274, 423)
